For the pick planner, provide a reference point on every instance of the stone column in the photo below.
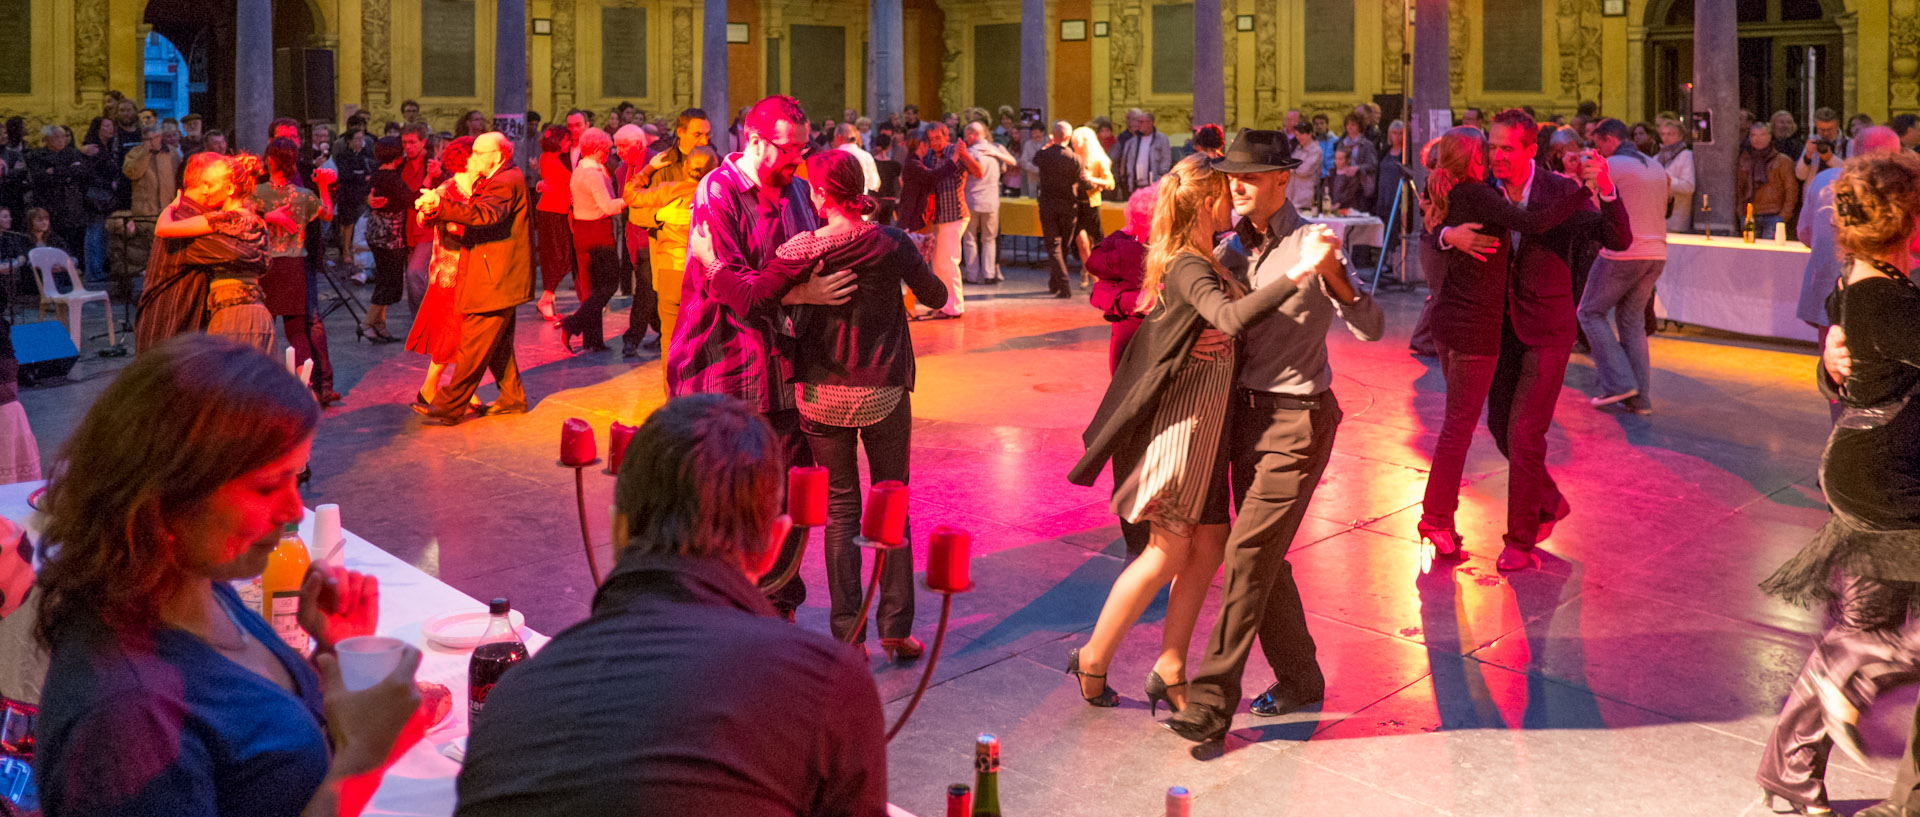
(1033, 56)
(1716, 74)
(713, 72)
(510, 68)
(253, 74)
(1432, 94)
(886, 65)
(1209, 73)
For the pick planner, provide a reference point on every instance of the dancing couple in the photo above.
(1225, 384)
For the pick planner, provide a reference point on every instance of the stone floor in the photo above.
(1635, 672)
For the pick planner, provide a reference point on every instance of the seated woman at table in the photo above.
(166, 695)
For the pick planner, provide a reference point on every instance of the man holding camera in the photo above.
(1827, 148)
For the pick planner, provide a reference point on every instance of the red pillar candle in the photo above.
(886, 517)
(618, 435)
(576, 443)
(807, 496)
(948, 552)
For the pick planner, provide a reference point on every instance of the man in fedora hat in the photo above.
(1280, 433)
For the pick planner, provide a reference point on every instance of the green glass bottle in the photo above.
(1748, 228)
(986, 776)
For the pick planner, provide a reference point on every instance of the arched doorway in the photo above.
(1790, 56)
(203, 30)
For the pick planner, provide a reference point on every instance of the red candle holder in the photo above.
(885, 522)
(619, 435)
(807, 496)
(576, 444)
(949, 550)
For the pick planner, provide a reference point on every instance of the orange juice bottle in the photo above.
(280, 587)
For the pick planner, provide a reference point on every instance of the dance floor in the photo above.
(1635, 672)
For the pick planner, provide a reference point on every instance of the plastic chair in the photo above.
(45, 260)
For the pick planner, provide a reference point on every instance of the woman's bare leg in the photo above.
(1165, 555)
(1184, 601)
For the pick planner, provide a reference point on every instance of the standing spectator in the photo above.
(126, 134)
(1393, 172)
(846, 138)
(1827, 147)
(155, 174)
(526, 151)
(1304, 183)
(1015, 141)
(1677, 157)
(1645, 138)
(888, 194)
(1030, 147)
(353, 162)
(864, 127)
(1328, 140)
(410, 113)
(389, 208)
(1621, 281)
(108, 191)
(1346, 188)
(1786, 135)
(1209, 139)
(61, 176)
(14, 177)
(1907, 127)
(472, 123)
(215, 142)
(596, 256)
(554, 233)
(1363, 160)
(1144, 158)
(943, 166)
(1096, 178)
(1057, 175)
(1471, 119)
(1765, 181)
(980, 247)
(1816, 230)
(1857, 123)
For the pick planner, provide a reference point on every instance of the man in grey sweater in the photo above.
(1621, 283)
(1280, 435)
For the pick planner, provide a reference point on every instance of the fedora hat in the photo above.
(1255, 151)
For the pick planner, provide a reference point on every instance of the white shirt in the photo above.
(866, 165)
(593, 191)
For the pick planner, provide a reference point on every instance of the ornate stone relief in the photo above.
(953, 95)
(1266, 61)
(1457, 37)
(90, 47)
(1230, 60)
(1903, 55)
(1393, 42)
(683, 57)
(563, 48)
(1124, 51)
(1578, 24)
(376, 34)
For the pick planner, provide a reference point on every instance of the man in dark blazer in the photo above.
(1538, 333)
(496, 276)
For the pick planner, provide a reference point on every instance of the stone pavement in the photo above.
(1635, 672)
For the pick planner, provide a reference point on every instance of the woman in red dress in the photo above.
(436, 328)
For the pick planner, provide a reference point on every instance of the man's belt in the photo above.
(1271, 401)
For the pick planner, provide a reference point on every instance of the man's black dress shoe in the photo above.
(497, 410)
(1199, 723)
(1273, 704)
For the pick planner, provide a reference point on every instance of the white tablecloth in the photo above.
(421, 783)
(1724, 283)
(1358, 230)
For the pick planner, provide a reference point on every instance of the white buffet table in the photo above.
(1724, 283)
(421, 783)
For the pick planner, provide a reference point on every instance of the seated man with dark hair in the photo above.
(683, 692)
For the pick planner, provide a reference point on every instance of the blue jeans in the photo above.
(95, 261)
(1763, 226)
(1622, 287)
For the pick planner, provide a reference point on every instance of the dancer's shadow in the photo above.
(1462, 692)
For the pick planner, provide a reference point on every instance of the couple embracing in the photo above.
(1226, 386)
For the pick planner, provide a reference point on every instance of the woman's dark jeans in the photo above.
(887, 443)
(1468, 377)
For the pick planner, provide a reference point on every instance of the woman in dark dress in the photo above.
(354, 164)
(1468, 311)
(853, 376)
(1865, 563)
(388, 208)
(165, 695)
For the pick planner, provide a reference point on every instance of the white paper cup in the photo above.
(366, 660)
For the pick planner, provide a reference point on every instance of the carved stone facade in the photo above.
(1231, 65)
(1903, 56)
(376, 54)
(1578, 24)
(953, 86)
(1124, 51)
(1266, 60)
(683, 57)
(1393, 40)
(563, 48)
(90, 49)
(1457, 47)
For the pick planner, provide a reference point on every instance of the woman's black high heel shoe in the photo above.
(1781, 805)
(1107, 697)
(1157, 692)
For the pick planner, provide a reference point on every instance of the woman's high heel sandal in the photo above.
(907, 649)
(1107, 697)
(1781, 805)
(1439, 544)
(1157, 692)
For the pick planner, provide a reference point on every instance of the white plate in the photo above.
(462, 630)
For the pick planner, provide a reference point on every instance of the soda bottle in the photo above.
(959, 800)
(986, 776)
(500, 648)
(280, 587)
(1179, 802)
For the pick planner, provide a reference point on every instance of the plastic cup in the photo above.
(366, 660)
